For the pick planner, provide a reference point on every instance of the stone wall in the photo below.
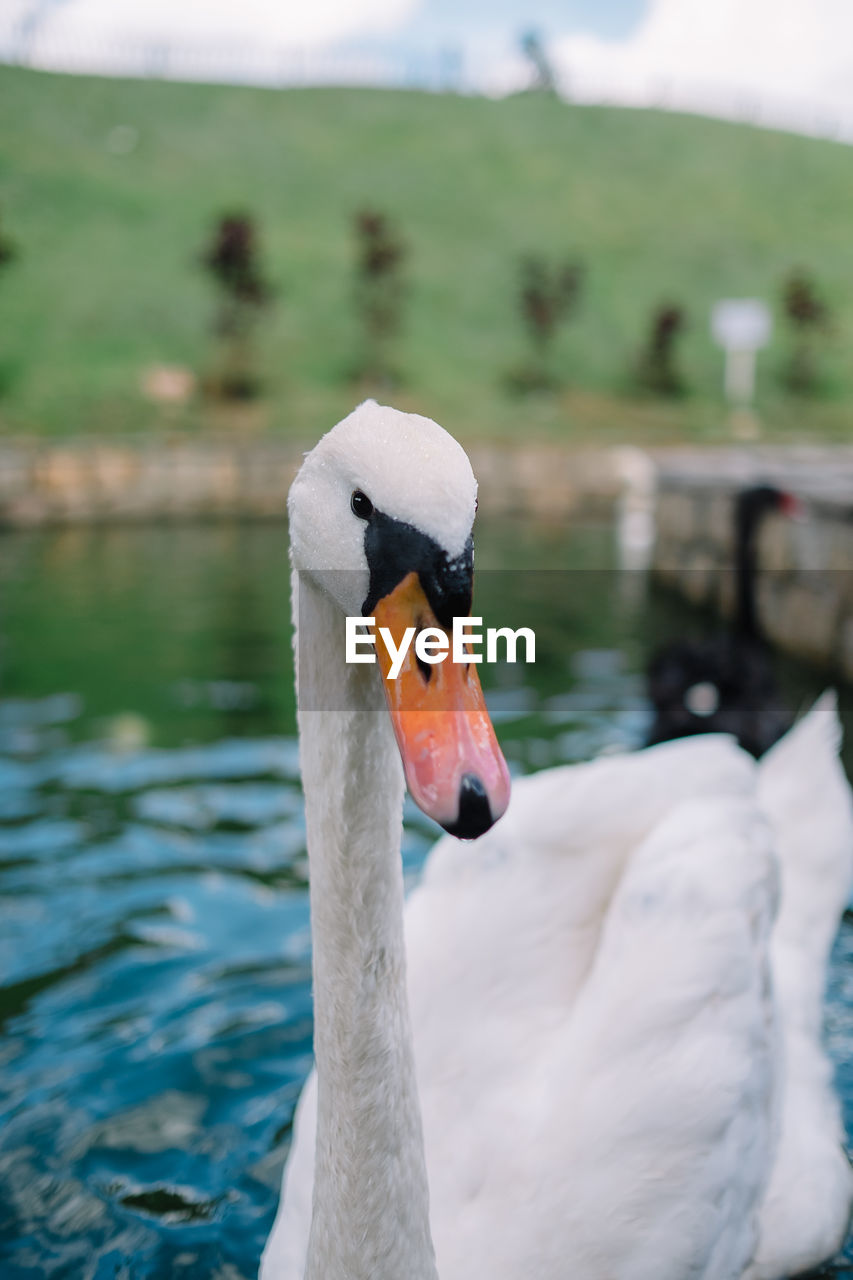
(181, 478)
(805, 583)
(88, 481)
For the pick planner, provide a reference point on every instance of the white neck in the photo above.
(370, 1218)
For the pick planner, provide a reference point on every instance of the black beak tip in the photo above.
(475, 812)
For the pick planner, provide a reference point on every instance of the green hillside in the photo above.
(657, 206)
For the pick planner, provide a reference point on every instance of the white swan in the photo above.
(609, 1088)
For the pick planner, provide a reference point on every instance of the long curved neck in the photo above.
(746, 615)
(370, 1218)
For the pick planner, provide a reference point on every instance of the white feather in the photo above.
(803, 788)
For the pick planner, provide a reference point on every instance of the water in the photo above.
(154, 943)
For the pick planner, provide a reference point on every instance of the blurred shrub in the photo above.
(657, 368)
(379, 293)
(232, 259)
(547, 297)
(8, 254)
(8, 250)
(810, 321)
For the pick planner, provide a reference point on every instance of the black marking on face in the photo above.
(395, 549)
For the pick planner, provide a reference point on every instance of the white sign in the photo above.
(741, 324)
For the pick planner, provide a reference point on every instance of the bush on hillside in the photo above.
(232, 260)
(657, 368)
(810, 321)
(8, 254)
(379, 293)
(548, 296)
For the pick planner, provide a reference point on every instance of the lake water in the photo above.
(155, 1012)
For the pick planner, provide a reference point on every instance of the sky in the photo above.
(321, 21)
(789, 53)
(780, 61)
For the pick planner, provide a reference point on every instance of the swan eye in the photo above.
(361, 505)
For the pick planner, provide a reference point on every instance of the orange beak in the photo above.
(454, 767)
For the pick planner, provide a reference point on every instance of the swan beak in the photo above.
(454, 768)
(792, 507)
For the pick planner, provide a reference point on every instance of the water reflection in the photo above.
(154, 950)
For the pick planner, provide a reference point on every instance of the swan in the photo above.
(569, 1058)
(726, 684)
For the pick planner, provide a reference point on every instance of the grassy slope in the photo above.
(658, 205)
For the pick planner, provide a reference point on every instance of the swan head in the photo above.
(758, 500)
(380, 520)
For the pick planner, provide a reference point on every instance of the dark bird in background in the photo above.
(725, 683)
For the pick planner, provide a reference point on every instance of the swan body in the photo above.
(803, 789)
(593, 1047)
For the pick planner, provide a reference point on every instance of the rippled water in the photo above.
(154, 940)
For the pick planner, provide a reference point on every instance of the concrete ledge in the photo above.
(92, 482)
(806, 589)
(180, 478)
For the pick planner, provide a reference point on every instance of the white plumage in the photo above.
(616, 1018)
